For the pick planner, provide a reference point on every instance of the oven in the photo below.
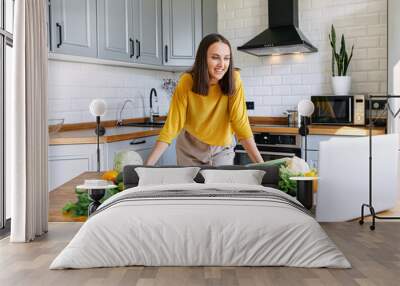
(379, 111)
(271, 147)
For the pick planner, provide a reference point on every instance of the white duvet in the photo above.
(200, 231)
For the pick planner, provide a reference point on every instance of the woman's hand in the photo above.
(158, 149)
(251, 148)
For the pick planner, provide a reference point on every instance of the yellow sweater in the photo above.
(212, 119)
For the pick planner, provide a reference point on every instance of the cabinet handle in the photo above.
(138, 47)
(59, 27)
(132, 48)
(134, 142)
(166, 53)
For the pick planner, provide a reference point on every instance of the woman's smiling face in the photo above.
(218, 60)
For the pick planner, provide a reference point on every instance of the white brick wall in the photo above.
(278, 83)
(72, 86)
(273, 83)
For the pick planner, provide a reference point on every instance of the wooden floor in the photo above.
(374, 255)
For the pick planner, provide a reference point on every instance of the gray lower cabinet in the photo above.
(312, 158)
(313, 148)
(115, 29)
(73, 27)
(142, 146)
(182, 31)
(169, 156)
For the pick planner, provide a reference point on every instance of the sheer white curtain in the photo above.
(26, 117)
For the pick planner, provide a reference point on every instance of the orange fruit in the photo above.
(110, 175)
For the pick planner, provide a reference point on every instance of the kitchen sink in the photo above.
(145, 124)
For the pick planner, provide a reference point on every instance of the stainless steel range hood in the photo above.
(283, 35)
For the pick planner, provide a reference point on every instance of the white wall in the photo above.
(277, 83)
(73, 85)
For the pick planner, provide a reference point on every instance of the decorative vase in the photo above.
(341, 85)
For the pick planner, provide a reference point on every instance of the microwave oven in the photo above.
(339, 109)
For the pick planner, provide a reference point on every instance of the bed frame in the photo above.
(270, 179)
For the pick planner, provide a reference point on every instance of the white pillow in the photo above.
(165, 176)
(249, 177)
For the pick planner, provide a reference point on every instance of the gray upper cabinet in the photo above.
(182, 31)
(73, 27)
(210, 17)
(130, 30)
(116, 37)
(148, 32)
(154, 32)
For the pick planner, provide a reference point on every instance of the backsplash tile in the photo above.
(72, 86)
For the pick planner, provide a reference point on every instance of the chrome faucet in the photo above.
(153, 113)
(119, 119)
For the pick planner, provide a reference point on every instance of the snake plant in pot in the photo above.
(341, 82)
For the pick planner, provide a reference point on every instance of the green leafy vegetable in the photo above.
(285, 184)
(80, 207)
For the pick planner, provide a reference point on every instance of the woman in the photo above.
(207, 107)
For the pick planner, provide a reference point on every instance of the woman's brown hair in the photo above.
(199, 70)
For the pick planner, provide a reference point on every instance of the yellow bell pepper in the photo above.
(310, 174)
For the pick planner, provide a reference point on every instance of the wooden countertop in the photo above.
(113, 134)
(320, 130)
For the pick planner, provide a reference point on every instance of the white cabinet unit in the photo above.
(69, 161)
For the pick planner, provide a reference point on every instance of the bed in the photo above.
(201, 224)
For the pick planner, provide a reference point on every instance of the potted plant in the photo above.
(341, 82)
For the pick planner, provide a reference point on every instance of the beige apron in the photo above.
(192, 152)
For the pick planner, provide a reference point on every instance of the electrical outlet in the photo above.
(250, 105)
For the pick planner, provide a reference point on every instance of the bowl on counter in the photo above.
(55, 125)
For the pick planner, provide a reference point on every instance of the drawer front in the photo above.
(135, 144)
